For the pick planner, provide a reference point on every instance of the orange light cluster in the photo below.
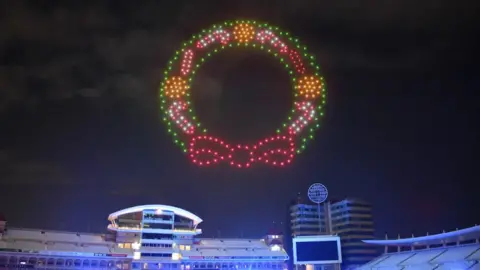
(309, 87)
(244, 32)
(175, 87)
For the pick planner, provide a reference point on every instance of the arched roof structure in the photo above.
(434, 239)
(158, 207)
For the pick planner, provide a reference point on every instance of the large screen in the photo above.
(317, 249)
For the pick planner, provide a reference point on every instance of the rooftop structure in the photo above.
(158, 208)
(458, 249)
(467, 234)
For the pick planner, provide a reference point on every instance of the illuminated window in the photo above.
(128, 245)
(120, 245)
(187, 247)
(275, 248)
(182, 247)
(136, 246)
(176, 256)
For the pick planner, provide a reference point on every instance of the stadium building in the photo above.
(453, 250)
(140, 237)
(351, 219)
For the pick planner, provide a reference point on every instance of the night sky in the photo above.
(81, 134)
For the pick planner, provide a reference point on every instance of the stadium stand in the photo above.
(453, 250)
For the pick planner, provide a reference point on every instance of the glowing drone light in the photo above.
(309, 87)
(244, 32)
(289, 140)
(176, 87)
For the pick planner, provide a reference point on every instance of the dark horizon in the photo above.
(81, 134)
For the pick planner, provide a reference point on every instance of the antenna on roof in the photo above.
(299, 198)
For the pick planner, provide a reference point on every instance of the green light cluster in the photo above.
(201, 57)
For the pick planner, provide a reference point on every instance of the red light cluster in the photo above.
(297, 61)
(266, 35)
(218, 35)
(187, 62)
(308, 113)
(277, 151)
(176, 114)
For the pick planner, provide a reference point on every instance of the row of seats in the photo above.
(231, 247)
(28, 245)
(53, 236)
(230, 243)
(428, 259)
(233, 252)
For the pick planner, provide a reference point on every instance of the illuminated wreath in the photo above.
(290, 139)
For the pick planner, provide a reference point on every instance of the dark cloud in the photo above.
(363, 15)
(16, 170)
(396, 115)
(134, 191)
(59, 52)
(65, 52)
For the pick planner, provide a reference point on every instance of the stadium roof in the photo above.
(435, 239)
(158, 207)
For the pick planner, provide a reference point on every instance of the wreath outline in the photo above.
(319, 102)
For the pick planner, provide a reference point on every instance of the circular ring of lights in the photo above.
(290, 139)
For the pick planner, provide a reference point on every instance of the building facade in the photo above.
(351, 219)
(140, 237)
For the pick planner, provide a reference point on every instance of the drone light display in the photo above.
(276, 150)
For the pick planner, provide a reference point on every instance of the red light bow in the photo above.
(276, 151)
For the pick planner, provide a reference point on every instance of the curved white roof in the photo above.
(139, 208)
(434, 239)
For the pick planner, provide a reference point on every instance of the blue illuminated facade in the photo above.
(351, 219)
(142, 237)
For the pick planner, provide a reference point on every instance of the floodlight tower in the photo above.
(318, 193)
